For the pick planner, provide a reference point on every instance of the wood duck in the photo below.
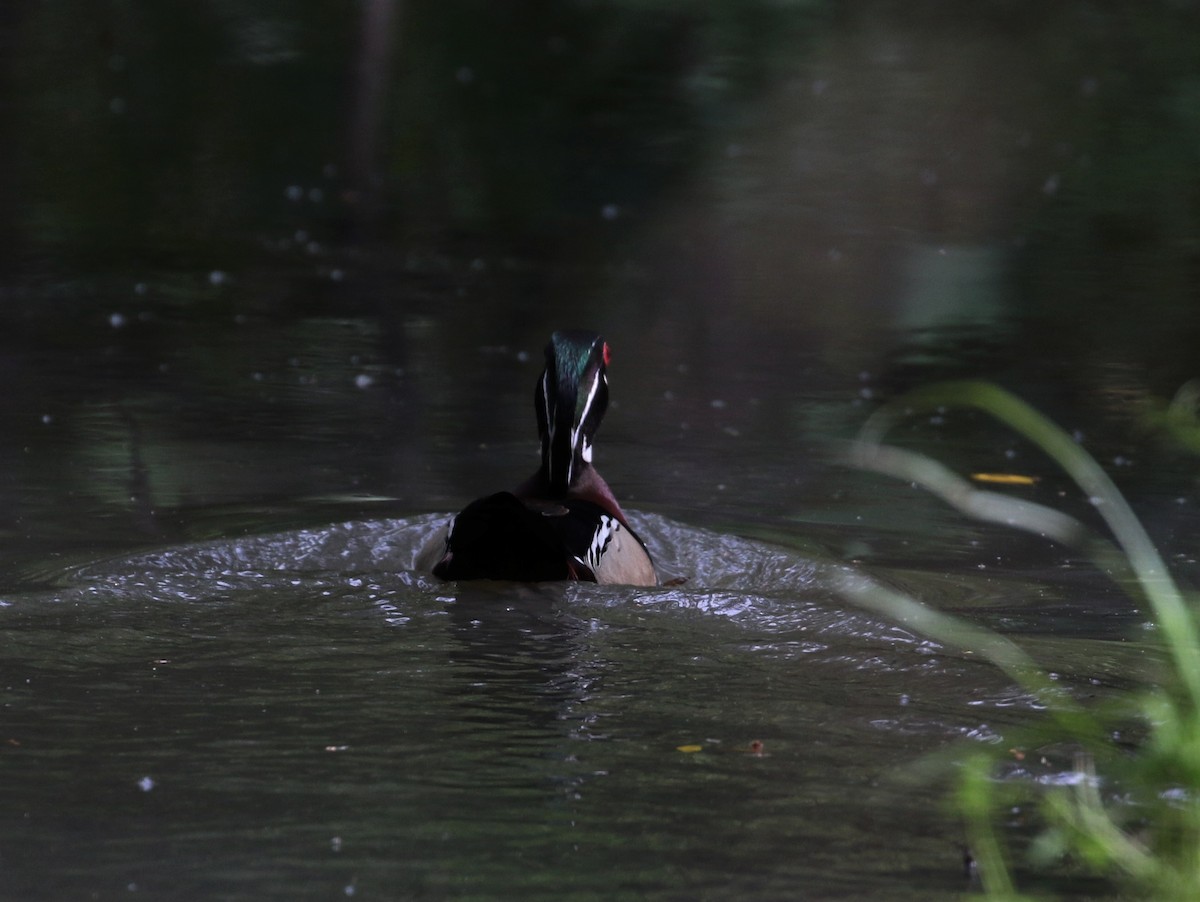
(563, 522)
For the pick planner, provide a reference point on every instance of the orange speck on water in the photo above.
(1004, 478)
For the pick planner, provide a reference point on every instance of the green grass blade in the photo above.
(1171, 611)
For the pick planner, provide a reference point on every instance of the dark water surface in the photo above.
(273, 293)
(304, 716)
(307, 713)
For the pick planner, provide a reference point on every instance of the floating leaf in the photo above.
(1004, 478)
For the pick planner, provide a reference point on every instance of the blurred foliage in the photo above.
(1129, 811)
(1178, 421)
(143, 128)
(146, 130)
(1122, 217)
(549, 129)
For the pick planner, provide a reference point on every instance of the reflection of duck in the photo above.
(563, 522)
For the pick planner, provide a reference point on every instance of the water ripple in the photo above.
(779, 603)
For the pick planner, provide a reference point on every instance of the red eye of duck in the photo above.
(607, 354)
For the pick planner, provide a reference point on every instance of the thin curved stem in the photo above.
(1171, 610)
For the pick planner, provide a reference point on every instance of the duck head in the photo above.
(571, 397)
